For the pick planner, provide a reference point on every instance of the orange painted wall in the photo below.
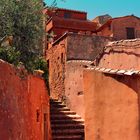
(74, 86)
(21, 97)
(111, 106)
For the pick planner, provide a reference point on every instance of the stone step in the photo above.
(62, 112)
(74, 121)
(73, 137)
(57, 105)
(66, 126)
(68, 132)
(59, 109)
(55, 102)
(62, 116)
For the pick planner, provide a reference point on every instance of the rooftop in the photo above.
(110, 21)
(115, 71)
(64, 9)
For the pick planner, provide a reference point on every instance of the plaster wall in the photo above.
(23, 102)
(111, 106)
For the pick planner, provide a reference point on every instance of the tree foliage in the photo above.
(23, 19)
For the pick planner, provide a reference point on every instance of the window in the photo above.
(67, 15)
(130, 32)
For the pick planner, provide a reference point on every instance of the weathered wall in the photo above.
(85, 47)
(124, 55)
(24, 102)
(74, 86)
(119, 27)
(57, 68)
(106, 31)
(111, 106)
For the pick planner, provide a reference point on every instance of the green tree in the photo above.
(23, 19)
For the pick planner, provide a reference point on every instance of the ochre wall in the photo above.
(111, 106)
(124, 55)
(74, 86)
(21, 97)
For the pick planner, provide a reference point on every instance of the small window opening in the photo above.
(130, 32)
(37, 115)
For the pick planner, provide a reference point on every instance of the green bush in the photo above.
(10, 55)
(41, 64)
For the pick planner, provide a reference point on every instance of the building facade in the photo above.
(120, 28)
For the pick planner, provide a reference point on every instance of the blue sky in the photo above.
(99, 7)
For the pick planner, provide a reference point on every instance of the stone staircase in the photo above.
(65, 124)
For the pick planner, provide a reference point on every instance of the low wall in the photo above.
(74, 86)
(85, 47)
(24, 105)
(124, 54)
(111, 106)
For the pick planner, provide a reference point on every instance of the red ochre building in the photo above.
(61, 21)
(74, 44)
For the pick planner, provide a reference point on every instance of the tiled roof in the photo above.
(115, 71)
(77, 11)
(64, 9)
(80, 61)
(74, 24)
(125, 43)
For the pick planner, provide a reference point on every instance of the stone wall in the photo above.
(24, 105)
(124, 54)
(56, 57)
(85, 47)
(111, 106)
